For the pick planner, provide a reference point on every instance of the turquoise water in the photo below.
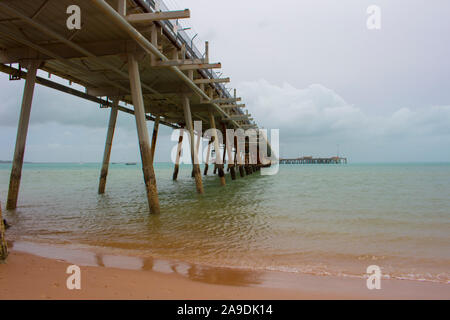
(315, 219)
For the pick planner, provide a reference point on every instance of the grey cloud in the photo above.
(318, 114)
(51, 106)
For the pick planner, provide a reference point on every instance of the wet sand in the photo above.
(26, 276)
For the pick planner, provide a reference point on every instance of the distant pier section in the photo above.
(311, 160)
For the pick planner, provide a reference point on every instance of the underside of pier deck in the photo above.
(124, 53)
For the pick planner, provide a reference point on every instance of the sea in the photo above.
(307, 219)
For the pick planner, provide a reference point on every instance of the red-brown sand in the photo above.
(26, 276)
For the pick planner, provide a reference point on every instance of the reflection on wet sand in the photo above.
(225, 276)
(206, 274)
(147, 264)
(99, 260)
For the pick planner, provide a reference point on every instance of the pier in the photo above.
(132, 56)
(311, 160)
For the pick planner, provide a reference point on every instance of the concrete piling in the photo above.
(177, 161)
(194, 155)
(141, 125)
(22, 130)
(219, 162)
(108, 145)
(3, 246)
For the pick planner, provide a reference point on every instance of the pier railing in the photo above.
(177, 30)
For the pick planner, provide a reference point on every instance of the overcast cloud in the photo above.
(309, 68)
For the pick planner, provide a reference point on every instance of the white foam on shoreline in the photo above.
(107, 257)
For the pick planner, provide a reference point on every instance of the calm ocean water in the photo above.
(314, 219)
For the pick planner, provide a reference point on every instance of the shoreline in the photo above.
(28, 274)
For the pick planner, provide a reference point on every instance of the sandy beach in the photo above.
(152, 150)
(26, 276)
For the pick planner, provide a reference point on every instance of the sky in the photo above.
(311, 69)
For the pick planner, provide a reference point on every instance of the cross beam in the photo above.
(178, 63)
(225, 100)
(232, 106)
(237, 118)
(208, 81)
(200, 66)
(158, 16)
